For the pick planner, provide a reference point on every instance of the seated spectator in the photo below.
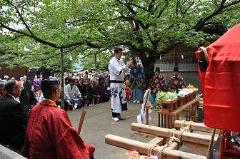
(5, 78)
(72, 95)
(96, 92)
(13, 119)
(50, 134)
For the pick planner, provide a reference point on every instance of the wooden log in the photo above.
(194, 126)
(157, 141)
(143, 148)
(164, 132)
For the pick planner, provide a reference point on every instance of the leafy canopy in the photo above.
(33, 31)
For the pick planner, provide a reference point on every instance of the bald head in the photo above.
(13, 87)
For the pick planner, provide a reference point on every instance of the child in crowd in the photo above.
(128, 90)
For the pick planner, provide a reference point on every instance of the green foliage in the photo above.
(100, 63)
(82, 27)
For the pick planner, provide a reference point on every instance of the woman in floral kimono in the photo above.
(176, 82)
(157, 83)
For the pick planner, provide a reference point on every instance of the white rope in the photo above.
(205, 52)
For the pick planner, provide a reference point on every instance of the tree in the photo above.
(147, 28)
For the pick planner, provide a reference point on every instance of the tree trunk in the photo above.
(148, 65)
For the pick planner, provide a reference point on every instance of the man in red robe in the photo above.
(50, 134)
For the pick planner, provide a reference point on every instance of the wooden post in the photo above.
(81, 121)
(144, 148)
(147, 116)
(164, 132)
(162, 119)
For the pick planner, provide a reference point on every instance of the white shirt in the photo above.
(116, 69)
(71, 92)
(16, 99)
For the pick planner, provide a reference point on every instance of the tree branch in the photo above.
(151, 5)
(166, 2)
(137, 6)
(231, 4)
(201, 23)
(127, 6)
(44, 42)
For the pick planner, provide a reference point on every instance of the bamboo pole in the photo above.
(164, 132)
(193, 126)
(143, 148)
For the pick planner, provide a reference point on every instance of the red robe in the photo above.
(50, 135)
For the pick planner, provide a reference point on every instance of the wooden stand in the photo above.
(166, 117)
(163, 147)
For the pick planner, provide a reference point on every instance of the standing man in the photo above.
(117, 68)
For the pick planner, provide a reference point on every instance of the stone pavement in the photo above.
(98, 123)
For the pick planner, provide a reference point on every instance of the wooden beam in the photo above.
(180, 109)
(143, 148)
(157, 141)
(196, 147)
(164, 132)
(193, 126)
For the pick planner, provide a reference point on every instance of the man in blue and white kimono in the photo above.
(117, 69)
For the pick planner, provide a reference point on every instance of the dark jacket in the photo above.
(27, 99)
(13, 120)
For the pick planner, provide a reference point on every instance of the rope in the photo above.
(160, 154)
(176, 137)
(150, 150)
(211, 144)
(205, 52)
(173, 137)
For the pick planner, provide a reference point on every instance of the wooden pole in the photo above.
(81, 121)
(193, 126)
(164, 132)
(62, 77)
(144, 148)
(147, 116)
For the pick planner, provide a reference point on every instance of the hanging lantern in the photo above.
(182, 57)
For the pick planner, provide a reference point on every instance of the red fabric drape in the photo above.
(222, 82)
